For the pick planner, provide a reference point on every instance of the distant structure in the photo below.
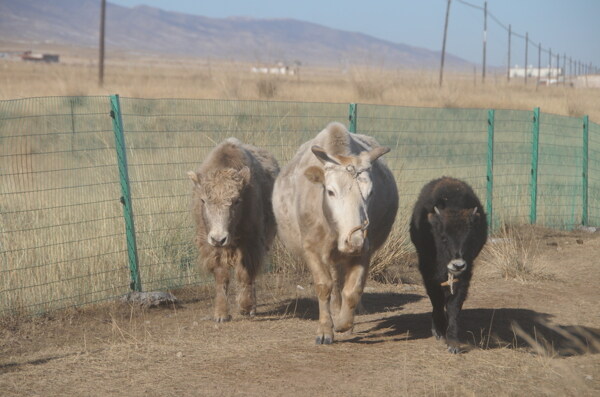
(548, 76)
(37, 57)
(278, 68)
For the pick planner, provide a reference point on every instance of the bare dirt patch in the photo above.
(523, 337)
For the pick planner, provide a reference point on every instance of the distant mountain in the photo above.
(151, 30)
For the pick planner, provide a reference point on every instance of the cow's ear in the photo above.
(244, 173)
(194, 177)
(322, 155)
(315, 174)
(378, 152)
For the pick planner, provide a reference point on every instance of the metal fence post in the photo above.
(117, 121)
(584, 213)
(534, 164)
(490, 169)
(352, 116)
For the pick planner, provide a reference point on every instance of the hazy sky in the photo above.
(566, 26)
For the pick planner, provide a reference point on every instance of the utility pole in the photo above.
(101, 60)
(526, 48)
(484, 39)
(549, 64)
(539, 63)
(444, 42)
(509, 36)
(564, 72)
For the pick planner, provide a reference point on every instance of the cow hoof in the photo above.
(222, 319)
(454, 349)
(250, 313)
(436, 334)
(324, 340)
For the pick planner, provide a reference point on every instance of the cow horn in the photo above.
(436, 210)
(474, 211)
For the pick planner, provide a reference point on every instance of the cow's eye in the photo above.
(330, 193)
(237, 201)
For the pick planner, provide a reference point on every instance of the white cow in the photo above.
(335, 204)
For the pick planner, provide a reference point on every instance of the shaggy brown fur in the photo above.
(235, 225)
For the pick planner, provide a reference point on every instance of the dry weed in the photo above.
(512, 253)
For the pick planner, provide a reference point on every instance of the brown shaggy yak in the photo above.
(235, 225)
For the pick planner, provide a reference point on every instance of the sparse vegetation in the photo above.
(513, 252)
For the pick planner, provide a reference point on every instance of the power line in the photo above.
(470, 5)
(528, 40)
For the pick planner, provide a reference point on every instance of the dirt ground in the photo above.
(539, 337)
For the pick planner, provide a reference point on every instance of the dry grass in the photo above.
(513, 254)
(155, 77)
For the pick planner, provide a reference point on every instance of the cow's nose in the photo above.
(457, 265)
(218, 241)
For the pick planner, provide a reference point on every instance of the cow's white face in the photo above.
(347, 189)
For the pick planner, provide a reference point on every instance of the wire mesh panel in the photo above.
(428, 143)
(594, 175)
(560, 171)
(165, 138)
(61, 233)
(512, 167)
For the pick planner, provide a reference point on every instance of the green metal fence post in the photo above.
(490, 169)
(534, 164)
(352, 117)
(584, 213)
(117, 120)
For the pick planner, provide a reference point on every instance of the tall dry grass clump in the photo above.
(513, 254)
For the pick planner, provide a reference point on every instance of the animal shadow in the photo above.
(372, 302)
(518, 328)
(493, 329)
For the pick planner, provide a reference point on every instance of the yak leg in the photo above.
(221, 274)
(246, 297)
(354, 284)
(323, 288)
(453, 308)
(439, 322)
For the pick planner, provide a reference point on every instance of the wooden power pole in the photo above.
(444, 42)
(101, 56)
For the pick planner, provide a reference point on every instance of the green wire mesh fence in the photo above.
(76, 172)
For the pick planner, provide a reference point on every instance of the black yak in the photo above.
(448, 228)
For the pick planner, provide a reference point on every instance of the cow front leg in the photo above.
(246, 297)
(323, 287)
(438, 317)
(221, 308)
(453, 309)
(354, 284)
(335, 302)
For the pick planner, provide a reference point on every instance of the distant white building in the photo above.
(546, 73)
(278, 68)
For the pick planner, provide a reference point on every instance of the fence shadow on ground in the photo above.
(308, 308)
(492, 329)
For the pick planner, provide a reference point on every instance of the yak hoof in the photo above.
(324, 340)
(454, 349)
(250, 313)
(437, 335)
(222, 319)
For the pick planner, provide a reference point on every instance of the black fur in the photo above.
(458, 231)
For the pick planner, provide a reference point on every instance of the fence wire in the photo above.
(62, 234)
